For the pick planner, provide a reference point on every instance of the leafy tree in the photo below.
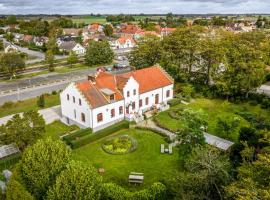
(49, 57)
(253, 180)
(98, 53)
(249, 135)
(206, 173)
(146, 53)
(41, 101)
(226, 127)
(15, 190)
(76, 182)
(1, 45)
(191, 135)
(72, 59)
(112, 191)
(23, 131)
(41, 164)
(11, 20)
(108, 30)
(9, 37)
(11, 63)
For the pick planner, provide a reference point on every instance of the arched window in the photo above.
(100, 117)
(112, 113)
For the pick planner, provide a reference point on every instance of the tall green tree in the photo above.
(108, 30)
(11, 63)
(146, 53)
(206, 174)
(77, 181)
(41, 164)
(98, 53)
(49, 58)
(23, 131)
(72, 59)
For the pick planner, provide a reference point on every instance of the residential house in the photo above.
(28, 38)
(72, 46)
(18, 37)
(105, 99)
(9, 47)
(129, 30)
(95, 28)
(122, 43)
(74, 32)
(141, 34)
(40, 41)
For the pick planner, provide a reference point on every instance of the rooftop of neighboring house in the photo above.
(130, 29)
(123, 40)
(28, 38)
(72, 31)
(99, 86)
(68, 46)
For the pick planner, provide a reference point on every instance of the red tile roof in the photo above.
(149, 79)
(130, 29)
(122, 40)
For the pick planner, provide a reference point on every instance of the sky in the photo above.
(133, 6)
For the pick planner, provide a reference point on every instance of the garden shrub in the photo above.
(112, 191)
(54, 92)
(253, 103)
(174, 102)
(120, 145)
(8, 104)
(99, 134)
(77, 134)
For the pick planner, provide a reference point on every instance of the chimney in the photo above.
(92, 78)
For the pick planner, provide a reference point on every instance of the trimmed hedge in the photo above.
(98, 135)
(174, 102)
(77, 134)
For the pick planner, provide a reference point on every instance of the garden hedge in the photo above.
(98, 135)
(77, 134)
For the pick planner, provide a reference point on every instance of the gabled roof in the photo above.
(148, 79)
(123, 40)
(68, 46)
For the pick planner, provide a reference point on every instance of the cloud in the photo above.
(132, 6)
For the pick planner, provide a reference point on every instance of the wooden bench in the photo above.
(135, 177)
(162, 148)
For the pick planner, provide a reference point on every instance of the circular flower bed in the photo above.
(120, 145)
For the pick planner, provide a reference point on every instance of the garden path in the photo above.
(210, 139)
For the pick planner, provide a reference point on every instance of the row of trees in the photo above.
(220, 62)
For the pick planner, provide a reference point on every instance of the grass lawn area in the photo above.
(57, 129)
(145, 159)
(29, 104)
(214, 108)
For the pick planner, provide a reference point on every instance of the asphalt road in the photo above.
(33, 87)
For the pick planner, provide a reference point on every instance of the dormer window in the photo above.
(112, 97)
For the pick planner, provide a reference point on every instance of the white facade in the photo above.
(122, 45)
(74, 104)
(79, 49)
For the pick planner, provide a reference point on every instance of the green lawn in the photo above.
(214, 109)
(145, 159)
(57, 129)
(30, 104)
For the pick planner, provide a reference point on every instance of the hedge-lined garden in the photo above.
(86, 136)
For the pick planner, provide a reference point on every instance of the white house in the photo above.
(122, 43)
(9, 47)
(105, 99)
(72, 46)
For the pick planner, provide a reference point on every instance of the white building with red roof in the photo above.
(105, 99)
(123, 43)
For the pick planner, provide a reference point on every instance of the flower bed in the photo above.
(120, 145)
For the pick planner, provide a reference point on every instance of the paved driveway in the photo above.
(50, 115)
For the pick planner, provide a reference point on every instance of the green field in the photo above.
(145, 159)
(89, 19)
(214, 109)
